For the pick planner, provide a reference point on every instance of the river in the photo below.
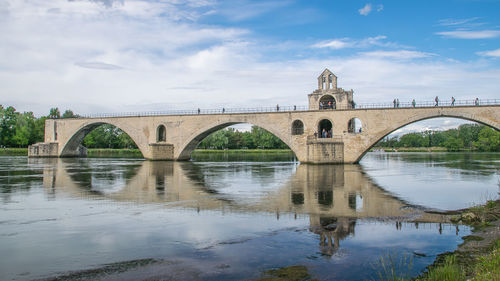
(233, 219)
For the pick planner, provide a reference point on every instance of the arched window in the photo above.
(330, 81)
(354, 126)
(161, 134)
(327, 102)
(297, 127)
(325, 129)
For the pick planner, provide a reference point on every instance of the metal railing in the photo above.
(294, 108)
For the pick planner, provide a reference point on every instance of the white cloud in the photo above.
(469, 22)
(93, 58)
(492, 53)
(365, 10)
(470, 34)
(335, 44)
(342, 43)
(400, 54)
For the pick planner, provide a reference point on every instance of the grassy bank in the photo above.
(235, 151)
(478, 258)
(10, 151)
(114, 153)
(410, 149)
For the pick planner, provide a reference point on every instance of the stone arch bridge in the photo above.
(174, 137)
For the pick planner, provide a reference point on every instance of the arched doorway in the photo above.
(161, 134)
(354, 126)
(327, 102)
(297, 127)
(325, 128)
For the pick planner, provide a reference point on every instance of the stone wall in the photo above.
(161, 151)
(325, 151)
(43, 149)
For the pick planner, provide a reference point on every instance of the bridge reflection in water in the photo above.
(332, 196)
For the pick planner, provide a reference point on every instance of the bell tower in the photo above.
(328, 96)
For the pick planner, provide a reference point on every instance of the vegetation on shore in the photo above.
(478, 258)
(467, 137)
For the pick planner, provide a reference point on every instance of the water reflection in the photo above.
(88, 212)
(315, 190)
(331, 196)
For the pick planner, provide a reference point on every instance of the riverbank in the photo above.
(136, 153)
(478, 257)
(409, 149)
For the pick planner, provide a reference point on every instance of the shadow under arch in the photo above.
(374, 139)
(73, 146)
(195, 139)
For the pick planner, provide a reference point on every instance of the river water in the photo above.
(209, 219)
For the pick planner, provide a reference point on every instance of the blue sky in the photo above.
(130, 55)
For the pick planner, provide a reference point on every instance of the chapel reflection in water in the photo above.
(333, 197)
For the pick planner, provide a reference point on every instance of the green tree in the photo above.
(453, 144)
(68, 114)
(8, 122)
(488, 140)
(54, 113)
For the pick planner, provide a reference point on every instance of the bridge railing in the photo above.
(292, 108)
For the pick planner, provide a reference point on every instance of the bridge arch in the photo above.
(354, 126)
(325, 124)
(71, 146)
(297, 127)
(161, 133)
(327, 102)
(196, 137)
(377, 136)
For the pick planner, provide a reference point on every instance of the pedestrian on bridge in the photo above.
(413, 103)
(397, 103)
(452, 101)
(394, 102)
(437, 101)
(277, 107)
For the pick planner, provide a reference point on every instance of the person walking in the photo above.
(394, 102)
(437, 101)
(452, 101)
(413, 103)
(277, 107)
(397, 103)
(476, 102)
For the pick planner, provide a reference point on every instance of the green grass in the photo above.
(412, 149)
(11, 151)
(114, 153)
(488, 266)
(448, 270)
(242, 150)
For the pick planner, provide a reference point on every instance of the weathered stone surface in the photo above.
(43, 149)
(184, 132)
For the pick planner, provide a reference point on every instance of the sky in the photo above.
(103, 56)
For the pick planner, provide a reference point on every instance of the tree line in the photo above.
(473, 137)
(23, 129)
